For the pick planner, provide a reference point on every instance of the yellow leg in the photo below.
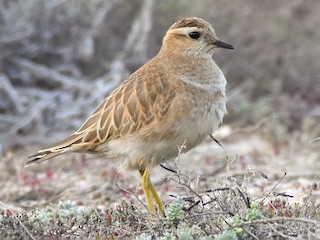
(158, 200)
(145, 183)
(147, 189)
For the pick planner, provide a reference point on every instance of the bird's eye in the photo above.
(194, 35)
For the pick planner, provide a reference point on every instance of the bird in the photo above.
(176, 98)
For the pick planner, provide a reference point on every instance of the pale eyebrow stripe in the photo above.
(185, 30)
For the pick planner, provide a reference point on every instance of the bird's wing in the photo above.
(140, 101)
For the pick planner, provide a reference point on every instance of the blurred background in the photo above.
(59, 59)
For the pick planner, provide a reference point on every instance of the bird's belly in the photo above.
(131, 153)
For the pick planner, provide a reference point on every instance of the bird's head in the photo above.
(193, 37)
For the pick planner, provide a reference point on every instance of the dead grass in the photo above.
(210, 212)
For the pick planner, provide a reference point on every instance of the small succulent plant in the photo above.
(175, 211)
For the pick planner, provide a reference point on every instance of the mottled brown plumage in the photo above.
(176, 98)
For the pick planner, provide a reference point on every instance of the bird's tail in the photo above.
(71, 144)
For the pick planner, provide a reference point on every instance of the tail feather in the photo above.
(70, 144)
(41, 156)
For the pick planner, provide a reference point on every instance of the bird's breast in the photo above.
(206, 112)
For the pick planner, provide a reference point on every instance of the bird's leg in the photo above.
(145, 183)
(158, 200)
(147, 189)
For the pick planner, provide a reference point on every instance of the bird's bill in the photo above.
(221, 44)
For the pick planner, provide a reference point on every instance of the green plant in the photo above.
(227, 235)
(167, 236)
(63, 211)
(253, 213)
(175, 211)
(185, 234)
(207, 238)
(144, 237)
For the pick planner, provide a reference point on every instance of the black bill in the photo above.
(221, 44)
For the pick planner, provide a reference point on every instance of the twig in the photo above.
(314, 140)
(227, 156)
(257, 126)
(168, 169)
(6, 86)
(15, 36)
(193, 205)
(250, 233)
(15, 216)
(244, 198)
(100, 15)
(237, 90)
(274, 187)
(135, 43)
(133, 194)
(279, 233)
(311, 233)
(314, 183)
(186, 186)
(218, 189)
(43, 72)
(24, 121)
(212, 214)
(214, 139)
(140, 29)
(272, 220)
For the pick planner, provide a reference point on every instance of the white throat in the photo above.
(209, 86)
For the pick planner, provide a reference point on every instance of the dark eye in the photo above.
(194, 35)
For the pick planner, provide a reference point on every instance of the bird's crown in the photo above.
(192, 37)
(191, 22)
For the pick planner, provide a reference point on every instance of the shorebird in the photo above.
(176, 98)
